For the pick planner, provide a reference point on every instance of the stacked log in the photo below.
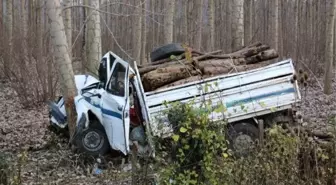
(180, 70)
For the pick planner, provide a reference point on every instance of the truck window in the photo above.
(102, 71)
(117, 83)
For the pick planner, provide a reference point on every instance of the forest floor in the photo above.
(49, 159)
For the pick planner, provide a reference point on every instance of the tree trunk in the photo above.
(169, 21)
(84, 38)
(67, 25)
(94, 49)
(296, 28)
(143, 35)
(212, 24)
(237, 24)
(61, 55)
(329, 49)
(24, 19)
(198, 39)
(9, 25)
(276, 24)
(137, 33)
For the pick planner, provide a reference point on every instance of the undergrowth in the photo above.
(198, 152)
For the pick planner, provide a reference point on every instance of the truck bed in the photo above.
(245, 95)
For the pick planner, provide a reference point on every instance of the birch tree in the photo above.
(94, 48)
(169, 21)
(330, 48)
(237, 24)
(63, 62)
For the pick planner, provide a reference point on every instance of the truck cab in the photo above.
(109, 114)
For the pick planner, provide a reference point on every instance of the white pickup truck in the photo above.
(114, 111)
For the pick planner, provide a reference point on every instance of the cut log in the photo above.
(184, 81)
(151, 67)
(262, 56)
(160, 77)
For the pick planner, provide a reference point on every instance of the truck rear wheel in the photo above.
(93, 140)
(242, 137)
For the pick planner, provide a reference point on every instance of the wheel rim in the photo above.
(92, 141)
(243, 143)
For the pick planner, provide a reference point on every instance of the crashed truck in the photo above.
(114, 112)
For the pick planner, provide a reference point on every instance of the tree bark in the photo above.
(67, 25)
(276, 25)
(9, 25)
(94, 49)
(237, 24)
(198, 39)
(212, 24)
(169, 21)
(329, 49)
(143, 35)
(60, 52)
(137, 33)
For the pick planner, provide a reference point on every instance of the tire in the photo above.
(243, 133)
(166, 51)
(99, 141)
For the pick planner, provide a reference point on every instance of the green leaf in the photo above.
(172, 57)
(206, 88)
(175, 137)
(273, 109)
(225, 155)
(220, 108)
(262, 104)
(183, 130)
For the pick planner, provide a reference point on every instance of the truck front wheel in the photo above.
(93, 140)
(242, 137)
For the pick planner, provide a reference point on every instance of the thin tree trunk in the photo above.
(9, 25)
(67, 25)
(329, 49)
(237, 24)
(94, 48)
(212, 24)
(144, 34)
(24, 21)
(296, 28)
(198, 39)
(137, 34)
(169, 21)
(60, 52)
(276, 25)
(84, 38)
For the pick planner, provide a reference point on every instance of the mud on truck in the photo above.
(115, 112)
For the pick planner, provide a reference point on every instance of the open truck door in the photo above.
(144, 109)
(115, 106)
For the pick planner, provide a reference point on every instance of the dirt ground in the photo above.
(50, 160)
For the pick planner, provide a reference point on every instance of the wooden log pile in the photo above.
(197, 65)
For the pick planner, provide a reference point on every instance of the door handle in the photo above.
(120, 107)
